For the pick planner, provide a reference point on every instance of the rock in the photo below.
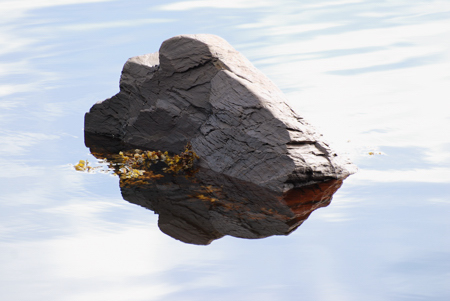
(198, 89)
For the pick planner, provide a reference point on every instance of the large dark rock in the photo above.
(198, 89)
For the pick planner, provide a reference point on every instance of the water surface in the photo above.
(372, 76)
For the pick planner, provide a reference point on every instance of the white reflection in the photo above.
(105, 261)
(114, 24)
(333, 217)
(18, 169)
(56, 231)
(332, 3)
(8, 104)
(6, 90)
(14, 9)
(385, 78)
(430, 175)
(10, 42)
(357, 38)
(190, 5)
(98, 256)
(113, 291)
(273, 29)
(292, 29)
(17, 143)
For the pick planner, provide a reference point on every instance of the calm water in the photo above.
(373, 76)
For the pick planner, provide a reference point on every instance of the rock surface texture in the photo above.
(199, 89)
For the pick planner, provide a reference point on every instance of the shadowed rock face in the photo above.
(198, 89)
(199, 207)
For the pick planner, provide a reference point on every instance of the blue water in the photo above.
(372, 76)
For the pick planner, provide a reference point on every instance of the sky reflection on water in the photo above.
(371, 75)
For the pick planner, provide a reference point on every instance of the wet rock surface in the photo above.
(198, 89)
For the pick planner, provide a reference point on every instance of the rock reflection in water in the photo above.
(205, 206)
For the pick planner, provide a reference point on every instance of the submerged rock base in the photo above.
(197, 205)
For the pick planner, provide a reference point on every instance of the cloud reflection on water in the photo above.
(115, 24)
(16, 143)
